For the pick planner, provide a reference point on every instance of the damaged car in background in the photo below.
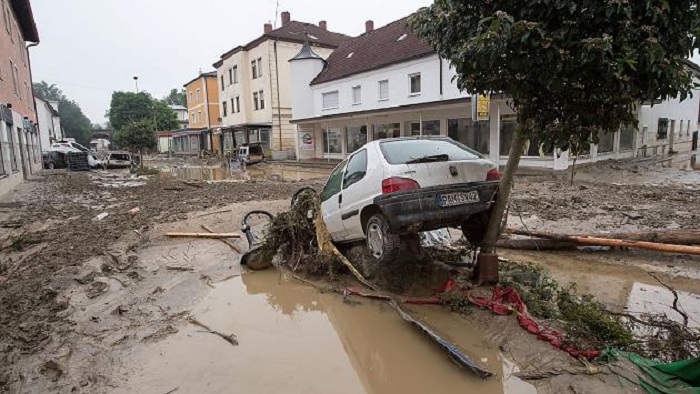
(390, 190)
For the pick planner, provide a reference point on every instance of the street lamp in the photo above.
(136, 82)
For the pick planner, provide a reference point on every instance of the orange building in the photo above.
(203, 112)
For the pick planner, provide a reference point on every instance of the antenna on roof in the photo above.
(277, 11)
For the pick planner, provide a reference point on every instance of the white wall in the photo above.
(399, 92)
(673, 109)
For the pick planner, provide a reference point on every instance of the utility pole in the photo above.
(136, 82)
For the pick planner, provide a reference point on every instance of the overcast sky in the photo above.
(90, 48)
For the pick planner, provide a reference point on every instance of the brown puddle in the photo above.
(294, 339)
(251, 172)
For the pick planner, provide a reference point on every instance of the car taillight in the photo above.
(493, 175)
(396, 184)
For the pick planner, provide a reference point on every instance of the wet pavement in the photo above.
(269, 172)
(293, 339)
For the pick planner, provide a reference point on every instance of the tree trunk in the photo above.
(494, 227)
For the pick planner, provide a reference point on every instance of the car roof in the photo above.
(425, 137)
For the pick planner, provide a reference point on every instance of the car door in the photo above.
(355, 195)
(330, 203)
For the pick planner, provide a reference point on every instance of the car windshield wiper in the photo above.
(429, 159)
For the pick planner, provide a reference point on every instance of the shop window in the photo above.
(662, 131)
(430, 127)
(388, 130)
(606, 142)
(356, 137)
(332, 141)
(476, 135)
(627, 134)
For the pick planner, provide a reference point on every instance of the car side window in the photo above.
(357, 169)
(334, 184)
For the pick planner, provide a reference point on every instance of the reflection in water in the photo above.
(251, 172)
(658, 300)
(293, 339)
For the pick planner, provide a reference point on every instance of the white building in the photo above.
(49, 122)
(256, 83)
(181, 113)
(389, 83)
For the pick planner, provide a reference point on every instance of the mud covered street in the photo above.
(107, 303)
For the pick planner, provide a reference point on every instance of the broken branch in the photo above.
(675, 298)
(228, 338)
(203, 235)
(230, 245)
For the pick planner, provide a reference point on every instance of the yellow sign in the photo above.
(482, 107)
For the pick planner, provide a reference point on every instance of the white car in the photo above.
(398, 187)
(66, 147)
(118, 160)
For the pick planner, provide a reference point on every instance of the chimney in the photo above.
(286, 17)
(369, 26)
(268, 28)
(323, 25)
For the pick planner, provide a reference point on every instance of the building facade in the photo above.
(388, 83)
(255, 84)
(20, 145)
(49, 122)
(204, 119)
(182, 114)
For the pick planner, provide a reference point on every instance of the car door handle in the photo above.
(340, 199)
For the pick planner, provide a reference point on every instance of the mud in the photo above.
(258, 172)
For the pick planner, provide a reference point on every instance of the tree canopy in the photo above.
(73, 121)
(136, 135)
(176, 97)
(569, 68)
(127, 107)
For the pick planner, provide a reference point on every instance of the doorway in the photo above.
(695, 141)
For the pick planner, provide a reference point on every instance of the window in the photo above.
(356, 137)
(606, 142)
(262, 99)
(233, 106)
(11, 143)
(627, 138)
(15, 77)
(430, 127)
(238, 104)
(230, 76)
(225, 107)
(199, 117)
(254, 67)
(332, 141)
(199, 96)
(389, 130)
(474, 135)
(356, 169)
(330, 100)
(403, 151)
(384, 90)
(223, 86)
(357, 95)
(256, 102)
(260, 67)
(193, 118)
(334, 184)
(235, 74)
(191, 98)
(662, 131)
(414, 82)
(2, 159)
(260, 135)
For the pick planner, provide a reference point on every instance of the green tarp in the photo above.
(681, 377)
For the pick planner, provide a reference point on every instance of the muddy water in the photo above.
(251, 172)
(646, 298)
(295, 340)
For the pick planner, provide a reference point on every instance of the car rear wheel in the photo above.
(51, 165)
(474, 229)
(382, 244)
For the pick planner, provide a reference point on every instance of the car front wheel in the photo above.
(383, 245)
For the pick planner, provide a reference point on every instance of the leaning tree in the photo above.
(571, 69)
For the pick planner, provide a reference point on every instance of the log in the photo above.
(204, 235)
(230, 245)
(599, 241)
(679, 237)
(536, 244)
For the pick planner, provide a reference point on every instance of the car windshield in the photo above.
(425, 151)
(119, 156)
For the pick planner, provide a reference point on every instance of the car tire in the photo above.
(383, 245)
(51, 166)
(474, 229)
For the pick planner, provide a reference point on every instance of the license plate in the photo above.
(462, 198)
